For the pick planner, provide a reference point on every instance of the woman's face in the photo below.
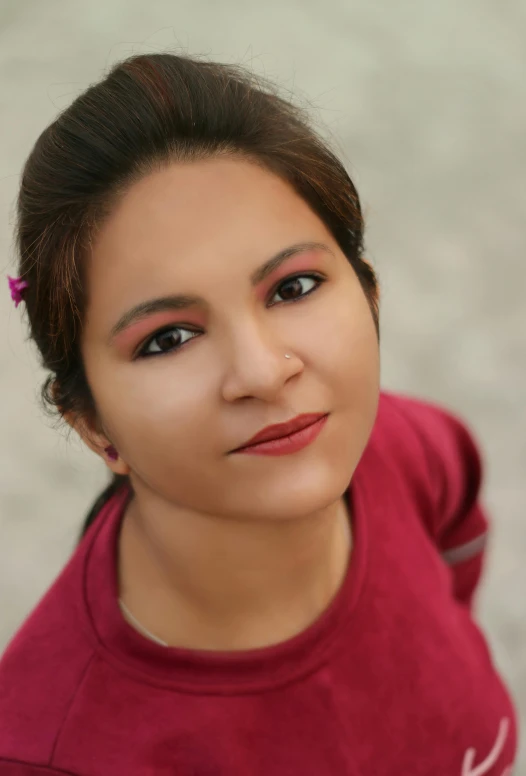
(179, 387)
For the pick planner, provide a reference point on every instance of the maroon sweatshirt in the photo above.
(393, 678)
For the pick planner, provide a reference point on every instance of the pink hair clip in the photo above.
(17, 286)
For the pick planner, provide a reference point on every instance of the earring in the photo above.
(287, 355)
(111, 452)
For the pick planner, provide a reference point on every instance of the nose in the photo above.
(257, 365)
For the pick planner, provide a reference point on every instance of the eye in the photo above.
(172, 338)
(166, 341)
(296, 287)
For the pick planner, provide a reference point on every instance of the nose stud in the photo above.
(287, 355)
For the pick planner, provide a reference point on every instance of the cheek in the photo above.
(343, 339)
(151, 407)
(167, 404)
(169, 433)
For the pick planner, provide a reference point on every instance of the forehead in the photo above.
(198, 209)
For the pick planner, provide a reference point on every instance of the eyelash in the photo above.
(141, 353)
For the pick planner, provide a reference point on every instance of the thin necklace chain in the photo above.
(138, 625)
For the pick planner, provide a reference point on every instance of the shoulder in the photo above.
(438, 426)
(429, 429)
(412, 430)
(432, 448)
(445, 440)
(40, 672)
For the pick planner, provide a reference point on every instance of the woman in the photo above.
(279, 579)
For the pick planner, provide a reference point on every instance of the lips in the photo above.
(281, 430)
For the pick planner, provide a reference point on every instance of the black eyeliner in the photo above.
(140, 354)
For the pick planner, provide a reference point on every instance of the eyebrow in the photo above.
(183, 301)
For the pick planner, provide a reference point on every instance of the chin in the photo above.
(295, 497)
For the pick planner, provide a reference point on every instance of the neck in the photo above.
(200, 582)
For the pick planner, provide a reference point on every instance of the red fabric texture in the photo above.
(394, 677)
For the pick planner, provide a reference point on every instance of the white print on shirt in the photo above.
(468, 769)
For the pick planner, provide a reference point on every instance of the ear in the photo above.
(96, 441)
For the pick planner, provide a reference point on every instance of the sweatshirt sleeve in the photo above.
(459, 523)
(18, 768)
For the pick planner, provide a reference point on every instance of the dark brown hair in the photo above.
(151, 110)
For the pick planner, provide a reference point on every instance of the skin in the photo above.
(220, 550)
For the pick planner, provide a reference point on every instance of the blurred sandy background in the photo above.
(427, 102)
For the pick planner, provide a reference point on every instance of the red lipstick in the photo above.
(285, 438)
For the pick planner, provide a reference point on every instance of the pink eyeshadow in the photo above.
(304, 262)
(137, 332)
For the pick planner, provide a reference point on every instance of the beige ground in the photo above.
(428, 101)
